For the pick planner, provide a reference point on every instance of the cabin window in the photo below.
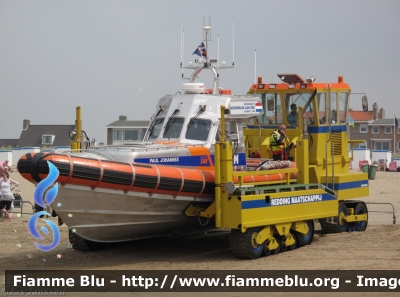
(375, 130)
(363, 128)
(362, 145)
(272, 108)
(154, 130)
(325, 110)
(343, 99)
(388, 130)
(173, 128)
(198, 129)
(334, 108)
(293, 101)
(48, 139)
(321, 102)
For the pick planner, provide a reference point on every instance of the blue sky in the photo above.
(97, 54)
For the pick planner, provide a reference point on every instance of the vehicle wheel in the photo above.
(244, 246)
(278, 249)
(283, 246)
(293, 246)
(267, 251)
(361, 209)
(341, 222)
(306, 239)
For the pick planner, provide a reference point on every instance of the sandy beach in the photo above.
(375, 249)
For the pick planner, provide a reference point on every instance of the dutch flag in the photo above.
(259, 107)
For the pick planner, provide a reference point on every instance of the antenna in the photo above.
(255, 66)
(181, 48)
(233, 42)
(207, 32)
(218, 56)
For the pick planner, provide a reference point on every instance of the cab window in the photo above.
(154, 130)
(173, 128)
(198, 129)
(272, 108)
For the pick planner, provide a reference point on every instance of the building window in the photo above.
(398, 146)
(375, 130)
(363, 128)
(48, 139)
(126, 135)
(382, 145)
(398, 130)
(131, 135)
(388, 130)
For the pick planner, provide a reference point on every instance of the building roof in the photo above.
(361, 116)
(126, 123)
(383, 122)
(8, 142)
(32, 136)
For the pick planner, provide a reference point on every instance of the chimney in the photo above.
(25, 124)
(382, 113)
(122, 118)
(375, 111)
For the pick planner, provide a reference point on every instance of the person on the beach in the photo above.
(7, 185)
(280, 144)
(5, 167)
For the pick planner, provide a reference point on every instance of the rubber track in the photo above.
(328, 227)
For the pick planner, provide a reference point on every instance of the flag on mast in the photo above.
(201, 50)
(396, 122)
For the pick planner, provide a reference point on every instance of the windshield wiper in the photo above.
(168, 124)
(152, 124)
(191, 122)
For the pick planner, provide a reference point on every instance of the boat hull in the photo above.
(103, 216)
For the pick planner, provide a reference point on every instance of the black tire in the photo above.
(283, 246)
(294, 245)
(84, 245)
(267, 251)
(243, 245)
(341, 223)
(361, 209)
(306, 239)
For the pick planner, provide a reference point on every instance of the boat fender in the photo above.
(35, 166)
